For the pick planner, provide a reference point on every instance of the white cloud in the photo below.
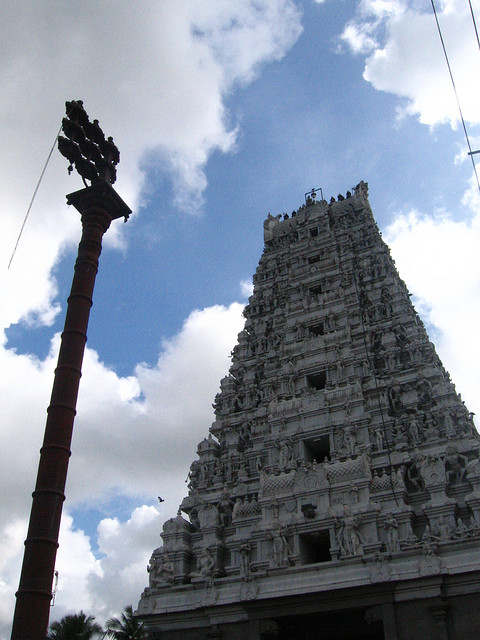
(101, 586)
(246, 287)
(12, 533)
(75, 563)
(133, 437)
(126, 547)
(405, 57)
(438, 259)
(159, 89)
(471, 197)
(358, 37)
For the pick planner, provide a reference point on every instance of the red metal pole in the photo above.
(98, 205)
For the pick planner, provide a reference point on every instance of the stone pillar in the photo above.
(98, 206)
(389, 622)
(440, 615)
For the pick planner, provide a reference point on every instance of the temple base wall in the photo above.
(434, 608)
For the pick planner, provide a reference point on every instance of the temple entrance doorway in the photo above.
(339, 625)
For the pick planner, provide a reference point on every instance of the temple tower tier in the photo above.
(339, 486)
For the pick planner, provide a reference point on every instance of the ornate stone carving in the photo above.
(206, 565)
(272, 485)
(338, 434)
(379, 570)
(280, 548)
(429, 564)
(455, 465)
(285, 456)
(391, 529)
(348, 533)
(160, 569)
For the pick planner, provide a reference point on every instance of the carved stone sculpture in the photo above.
(341, 454)
(280, 550)
(348, 534)
(391, 530)
(160, 569)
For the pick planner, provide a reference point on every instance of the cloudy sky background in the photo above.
(222, 111)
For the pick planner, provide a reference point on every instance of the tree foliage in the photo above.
(127, 627)
(77, 626)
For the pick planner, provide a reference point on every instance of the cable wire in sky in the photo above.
(455, 91)
(33, 197)
(474, 22)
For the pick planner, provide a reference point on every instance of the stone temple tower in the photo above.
(337, 494)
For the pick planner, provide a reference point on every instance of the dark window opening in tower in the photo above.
(317, 329)
(317, 380)
(315, 547)
(317, 449)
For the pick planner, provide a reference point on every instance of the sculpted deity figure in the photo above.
(414, 476)
(461, 530)
(455, 465)
(285, 456)
(449, 422)
(280, 546)
(300, 331)
(414, 430)
(245, 549)
(160, 570)
(348, 536)
(429, 563)
(193, 475)
(289, 369)
(349, 439)
(424, 390)
(395, 398)
(206, 564)
(379, 437)
(353, 493)
(430, 429)
(443, 530)
(236, 507)
(225, 508)
(330, 321)
(428, 538)
(391, 529)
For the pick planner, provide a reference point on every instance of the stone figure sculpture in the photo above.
(348, 535)
(391, 529)
(280, 549)
(206, 564)
(160, 570)
(245, 550)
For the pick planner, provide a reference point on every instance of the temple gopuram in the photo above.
(337, 492)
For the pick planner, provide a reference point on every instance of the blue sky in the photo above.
(222, 113)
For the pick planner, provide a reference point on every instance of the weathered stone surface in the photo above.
(341, 461)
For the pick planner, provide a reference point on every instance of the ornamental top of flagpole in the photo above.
(85, 146)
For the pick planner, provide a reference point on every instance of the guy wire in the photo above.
(33, 197)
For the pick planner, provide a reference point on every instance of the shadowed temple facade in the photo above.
(338, 491)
